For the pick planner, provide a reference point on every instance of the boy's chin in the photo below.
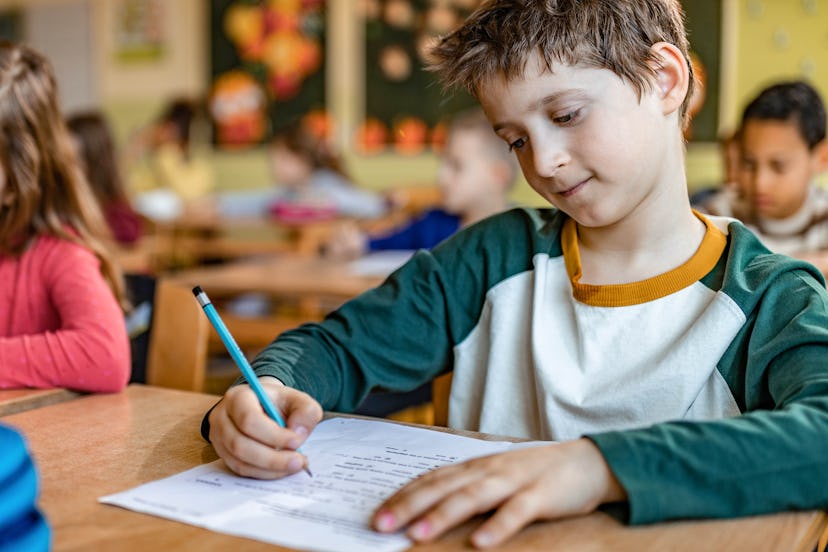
(770, 212)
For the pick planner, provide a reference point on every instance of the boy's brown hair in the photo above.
(499, 38)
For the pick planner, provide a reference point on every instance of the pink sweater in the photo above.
(60, 325)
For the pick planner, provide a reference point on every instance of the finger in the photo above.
(291, 463)
(420, 495)
(246, 414)
(477, 497)
(303, 414)
(512, 516)
(248, 457)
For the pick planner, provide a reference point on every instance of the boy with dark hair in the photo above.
(680, 362)
(783, 148)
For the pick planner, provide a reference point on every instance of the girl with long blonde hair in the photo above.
(61, 294)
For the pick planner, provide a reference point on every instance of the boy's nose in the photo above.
(550, 155)
(762, 180)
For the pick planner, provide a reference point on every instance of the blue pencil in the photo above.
(239, 358)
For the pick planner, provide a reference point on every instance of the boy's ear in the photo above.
(820, 157)
(672, 76)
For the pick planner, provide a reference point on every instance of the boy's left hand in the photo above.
(543, 482)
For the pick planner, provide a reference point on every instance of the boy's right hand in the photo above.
(253, 445)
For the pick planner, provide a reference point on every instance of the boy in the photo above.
(783, 147)
(475, 176)
(681, 363)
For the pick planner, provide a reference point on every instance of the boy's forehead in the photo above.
(779, 134)
(542, 85)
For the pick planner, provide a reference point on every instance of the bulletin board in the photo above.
(11, 25)
(405, 106)
(704, 29)
(267, 68)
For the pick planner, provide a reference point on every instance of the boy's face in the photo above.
(584, 140)
(467, 172)
(777, 167)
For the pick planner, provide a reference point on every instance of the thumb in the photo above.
(302, 412)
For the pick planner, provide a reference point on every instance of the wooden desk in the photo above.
(281, 276)
(13, 401)
(202, 233)
(310, 285)
(150, 433)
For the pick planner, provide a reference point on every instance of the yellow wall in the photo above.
(781, 39)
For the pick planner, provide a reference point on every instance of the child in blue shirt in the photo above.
(475, 176)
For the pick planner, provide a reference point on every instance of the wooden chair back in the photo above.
(177, 356)
(440, 391)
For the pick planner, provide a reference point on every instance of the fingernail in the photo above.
(421, 530)
(301, 431)
(482, 539)
(295, 464)
(386, 521)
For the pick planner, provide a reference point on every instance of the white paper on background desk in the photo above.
(380, 263)
(356, 464)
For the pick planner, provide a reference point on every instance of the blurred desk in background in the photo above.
(294, 276)
(295, 289)
(205, 236)
(207, 231)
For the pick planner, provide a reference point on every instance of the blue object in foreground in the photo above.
(22, 527)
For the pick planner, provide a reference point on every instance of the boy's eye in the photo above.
(567, 118)
(778, 168)
(517, 144)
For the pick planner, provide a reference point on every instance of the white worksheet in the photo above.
(356, 464)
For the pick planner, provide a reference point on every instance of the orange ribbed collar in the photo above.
(635, 293)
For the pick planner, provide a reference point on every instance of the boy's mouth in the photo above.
(763, 202)
(574, 189)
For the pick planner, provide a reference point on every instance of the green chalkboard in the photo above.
(404, 104)
(704, 29)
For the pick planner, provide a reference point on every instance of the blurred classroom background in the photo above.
(352, 70)
(356, 60)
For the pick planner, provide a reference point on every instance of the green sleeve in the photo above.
(773, 457)
(391, 337)
(402, 334)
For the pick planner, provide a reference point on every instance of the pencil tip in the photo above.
(307, 470)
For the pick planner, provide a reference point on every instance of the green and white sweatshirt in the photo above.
(705, 388)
